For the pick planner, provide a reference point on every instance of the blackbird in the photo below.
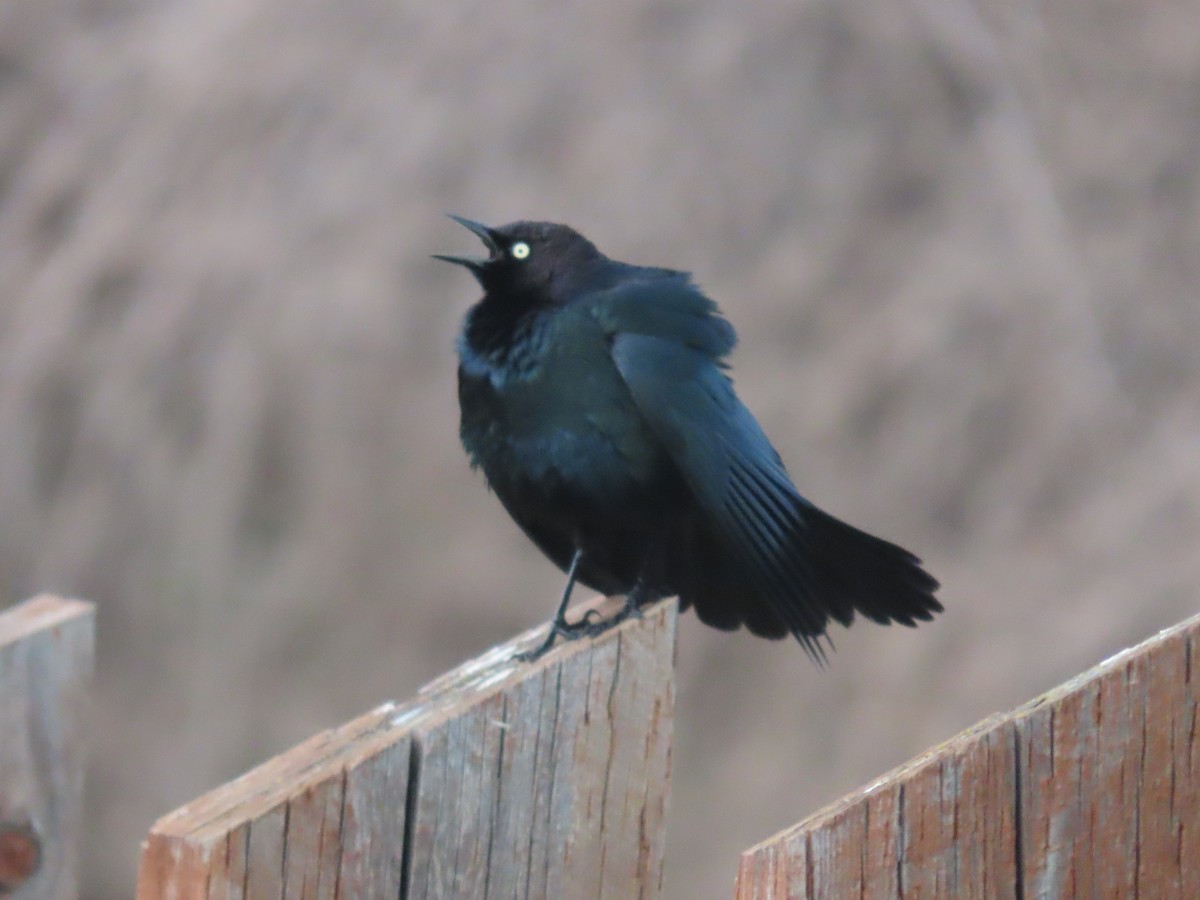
(595, 397)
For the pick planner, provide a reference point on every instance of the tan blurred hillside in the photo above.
(961, 243)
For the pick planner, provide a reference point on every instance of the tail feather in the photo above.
(721, 592)
(853, 571)
(845, 571)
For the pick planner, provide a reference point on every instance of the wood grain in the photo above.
(46, 657)
(1091, 790)
(499, 779)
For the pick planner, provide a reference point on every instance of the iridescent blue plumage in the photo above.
(594, 398)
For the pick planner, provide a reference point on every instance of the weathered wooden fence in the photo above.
(499, 779)
(551, 780)
(46, 647)
(1091, 790)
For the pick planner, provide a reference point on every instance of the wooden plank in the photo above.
(46, 657)
(499, 779)
(557, 785)
(300, 825)
(1092, 789)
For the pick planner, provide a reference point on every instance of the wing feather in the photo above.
(730, 467)
(668, 342)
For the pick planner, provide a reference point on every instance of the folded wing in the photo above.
(803, 564)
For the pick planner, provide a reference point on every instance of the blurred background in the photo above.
(961, 243)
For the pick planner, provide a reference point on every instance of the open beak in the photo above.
(474, 263)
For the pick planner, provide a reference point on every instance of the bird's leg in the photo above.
(559, 625)
(637, 597)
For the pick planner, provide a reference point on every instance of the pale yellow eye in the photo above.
(519, 250)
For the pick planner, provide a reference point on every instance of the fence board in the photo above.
(499, 779)
(1092, 789)
(46, 656)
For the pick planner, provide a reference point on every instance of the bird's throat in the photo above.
(501, 330)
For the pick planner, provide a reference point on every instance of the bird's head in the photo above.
(535, 260)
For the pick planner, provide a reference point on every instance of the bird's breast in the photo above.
(557, 422)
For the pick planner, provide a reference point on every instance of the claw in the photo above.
(528, 656)
(591, 624)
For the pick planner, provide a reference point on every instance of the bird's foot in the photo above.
(528, 656)
(589, 618)
(591, 624)
(560, 628)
